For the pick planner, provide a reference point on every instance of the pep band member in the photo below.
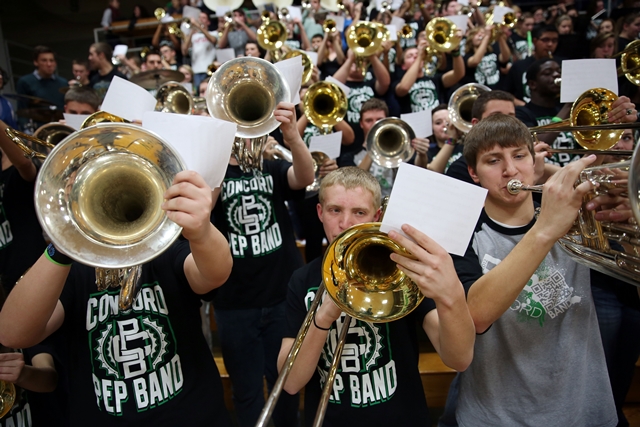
(378, 382)
(149, 365)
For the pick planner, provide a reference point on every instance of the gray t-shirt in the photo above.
(541, 363)
(237, 39)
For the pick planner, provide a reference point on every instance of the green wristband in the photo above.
(57, 257)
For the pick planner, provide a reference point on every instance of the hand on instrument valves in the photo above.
(611, 208)
(432, 271)
(561, 201)
(622, 110)
(11, 367)
(188, 203)
(269, 148)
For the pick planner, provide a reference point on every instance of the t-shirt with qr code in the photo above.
(541, 363)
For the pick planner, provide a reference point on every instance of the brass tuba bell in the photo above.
(389, 142)
(8, 396)
(461, 104)
(98, 197)
(325, 105)
(365, 39)
(307, 63)
(172, 97)
(246, 91)
(271, 36)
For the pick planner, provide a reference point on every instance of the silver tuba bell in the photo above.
(98, 198)
(389, 142)
(172, 97)
(246, 91)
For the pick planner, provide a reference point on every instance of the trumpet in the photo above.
(389, 142)
(98, 197)
(630, 62)
(160, 14)
(588, 241)
(442, 35)
(364, 283)
(329, 26)
(284, 15)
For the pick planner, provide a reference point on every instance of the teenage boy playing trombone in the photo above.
(378, 382)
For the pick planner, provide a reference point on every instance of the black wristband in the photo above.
(316, 325)
(57, 257)
(455, 53)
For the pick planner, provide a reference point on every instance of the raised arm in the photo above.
(300, 173)
(450, 326)
(188, 203)
(456, 74)
(381, 72)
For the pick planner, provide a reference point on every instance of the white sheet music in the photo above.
(203, 142)
(444, 208)
(127, 100)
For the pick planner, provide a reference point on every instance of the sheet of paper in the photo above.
(397, 21)
(499, 12)
(292, 69)
(221, 10)
(393, 32)
(190, 12)
(395, 4)
(444, 208)
(420, 122)
(203, 142)
(74, 120)
(127, 100)
(460, 21)
(313, 56)
(327, 144)
(579, 75)
(167, 18)
(339, 21)
(120, 49)
(295, 12)
(341, 85)
(224, 55)
(463, 3)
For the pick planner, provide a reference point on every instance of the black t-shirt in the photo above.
(251, 213)
(101, 83)
(455, 154)
(516, 82)
(360, 92)
(149, 365)
(378, 382)
(21, 241)
(488, 70)
(521, 44)
(424, 94)
(459, 170)
(535, 115)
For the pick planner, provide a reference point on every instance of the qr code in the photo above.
(552, 291)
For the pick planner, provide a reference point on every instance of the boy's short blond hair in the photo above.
(351, 177)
